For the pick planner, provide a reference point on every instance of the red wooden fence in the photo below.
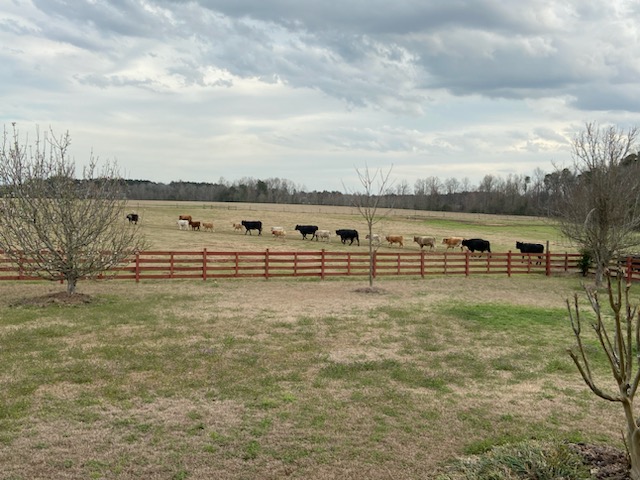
(153, 265)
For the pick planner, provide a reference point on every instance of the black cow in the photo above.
(133, 218)
(306, 230)
(478, 244)
(252, 225)
(348, 234)
(531, 248)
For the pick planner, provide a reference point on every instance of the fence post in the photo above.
(547, 262)
(237, 266)
(421, 263)
(266, 264)
(171, 265)
(348, 263)
(509, 263)
(137, 267)
(204, 264)
(629, 269)
(322, 260)
(466, 263)
(295, 264)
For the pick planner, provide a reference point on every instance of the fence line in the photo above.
(204, 264)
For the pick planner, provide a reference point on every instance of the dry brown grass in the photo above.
(188, 420)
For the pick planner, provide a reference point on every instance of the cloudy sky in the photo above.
(310, 91)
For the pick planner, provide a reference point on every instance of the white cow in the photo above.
(375, 238)
(183, 224)
(323, 234)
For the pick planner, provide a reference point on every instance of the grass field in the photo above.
(158, 223)
(297, 379)
(255, 379)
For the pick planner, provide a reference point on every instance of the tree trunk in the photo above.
(71, 285)
(633, 444)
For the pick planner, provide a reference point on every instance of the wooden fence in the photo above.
(204, 264)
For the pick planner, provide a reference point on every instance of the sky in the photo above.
(315, 91)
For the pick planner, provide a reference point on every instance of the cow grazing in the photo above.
(375, 238)
(252, 225)
(133, 218)
(452, 242)
(207, 226)
(183, 224)
(185, 217)
(399, 239)
(323, 234)
(478, 244)
(531, 248)
(307, 230)
(194, 225)
(348, 234)
(425, 241)
(237, 226)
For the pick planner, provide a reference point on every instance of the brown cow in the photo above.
(237, 226)
(399, 239)
(453, 242)
(194, 225)
(207, 226)
(185, 217)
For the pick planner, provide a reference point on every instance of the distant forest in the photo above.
(513, 195)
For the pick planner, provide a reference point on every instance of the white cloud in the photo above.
(309, 92)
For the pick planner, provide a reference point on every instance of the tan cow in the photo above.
(237, 226)
(207, 226)
(453, 242)
(399, 239)
(424, 241)
(279, 233)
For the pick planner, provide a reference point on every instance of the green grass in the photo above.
(138, 385)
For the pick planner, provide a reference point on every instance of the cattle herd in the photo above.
(186, 222)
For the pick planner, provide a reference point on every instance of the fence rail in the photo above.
(204, 264)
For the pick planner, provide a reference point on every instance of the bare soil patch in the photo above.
(605, 462)
(63, 299)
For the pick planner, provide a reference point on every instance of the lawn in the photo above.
(282, 378)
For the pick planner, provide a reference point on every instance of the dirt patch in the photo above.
(62, 299)
(371, 290)
(605, 462)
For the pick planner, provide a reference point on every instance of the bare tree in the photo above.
(600, 209)
(619, 338)
(54, 225)
(367, 203)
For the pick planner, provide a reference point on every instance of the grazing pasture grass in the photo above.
(158, 223)
(299, 379)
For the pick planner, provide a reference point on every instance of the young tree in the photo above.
(599, 208)
(619, 338)
(368, 202)
(56, 226)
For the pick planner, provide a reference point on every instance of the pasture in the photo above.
(297, 379)
(240, 379)
(158, 223)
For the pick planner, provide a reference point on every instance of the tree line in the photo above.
(513, 195)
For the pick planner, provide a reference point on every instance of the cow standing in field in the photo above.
(531, 248)
(348, 234)
(278, 233)
(252, 225)
(307, 230)
(399, 239)
(237, 226)
(194, 225)
(207, 226)
(185, 217)
(375, 238)
(183, 224)
(133, 218)
(425, 241)
(323, 234)
(478, 244)
(453, 242)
